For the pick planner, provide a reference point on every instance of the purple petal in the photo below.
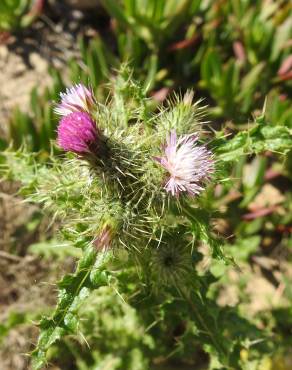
(76, 132)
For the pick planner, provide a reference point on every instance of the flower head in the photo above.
(76, 99)
(171, 263)
(77, 132)
(188, 164)
(104, 239)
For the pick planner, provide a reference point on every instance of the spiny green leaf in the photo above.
(74, 289)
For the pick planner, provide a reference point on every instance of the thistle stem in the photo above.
(186, 210)
(216, 344)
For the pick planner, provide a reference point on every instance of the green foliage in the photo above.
(53, 249)
(257, 33)
(233, 54)
(144, 30)
(73, 289)
(16, 14)
(113, 331)
(257, 36)
(262, 137)
(37, 128)
(12, 321)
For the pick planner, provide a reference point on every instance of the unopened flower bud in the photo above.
(104, 239)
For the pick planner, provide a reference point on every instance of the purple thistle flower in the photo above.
(77, 133)
(77, 98)
(188, 164)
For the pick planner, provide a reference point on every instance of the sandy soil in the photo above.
(26, 56)
(17, 78)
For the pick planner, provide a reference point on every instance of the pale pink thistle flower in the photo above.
(77, 132)
(188, 163)
(104, 239)
(76, 99)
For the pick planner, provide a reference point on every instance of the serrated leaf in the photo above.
(273, 138)
(232, 149)
(74, 288)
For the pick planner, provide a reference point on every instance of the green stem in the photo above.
(218, 347)
(186, 210)
(214, 243)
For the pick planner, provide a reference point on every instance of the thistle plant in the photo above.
(134, 192)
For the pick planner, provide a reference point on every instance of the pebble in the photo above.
(3, 52)
(38, 62)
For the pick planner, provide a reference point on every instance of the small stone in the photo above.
(38, 62)
(3, 52)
